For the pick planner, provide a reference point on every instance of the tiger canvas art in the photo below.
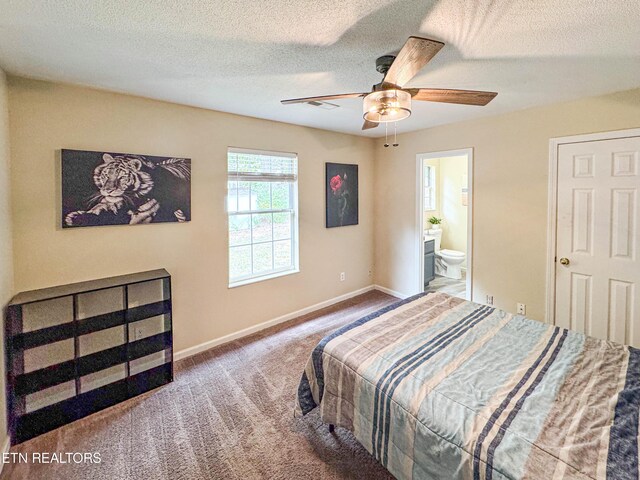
(106, 188)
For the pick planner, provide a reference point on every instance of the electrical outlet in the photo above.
(489, 300)
(137, 333)
(522, 308)
(342, 276)
(371, 272)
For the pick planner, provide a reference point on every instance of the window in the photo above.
(429, 187)
(262, 204)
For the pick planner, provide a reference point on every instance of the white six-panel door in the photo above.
(598, 240)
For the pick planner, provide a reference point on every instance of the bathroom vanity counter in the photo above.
(429, 261)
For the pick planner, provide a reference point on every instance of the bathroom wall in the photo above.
(450, 174)
(454, 226)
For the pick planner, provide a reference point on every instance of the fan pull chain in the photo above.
(395, 134)
(386, 135)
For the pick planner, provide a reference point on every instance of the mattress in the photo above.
(436, 387)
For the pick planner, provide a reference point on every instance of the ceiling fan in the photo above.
(388, 100)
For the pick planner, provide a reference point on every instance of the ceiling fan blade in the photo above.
(322, 98)
(367, 125)
(415, 54)
(463, 97)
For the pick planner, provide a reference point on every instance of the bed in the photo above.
(436, 387)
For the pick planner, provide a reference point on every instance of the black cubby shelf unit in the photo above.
(76, 349)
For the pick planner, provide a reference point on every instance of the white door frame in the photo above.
(420, 157)
(554, 146)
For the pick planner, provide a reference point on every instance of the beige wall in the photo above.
(6, 254)
(511, 158)
(510, 201)
(46, 117)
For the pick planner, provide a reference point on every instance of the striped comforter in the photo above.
(436, 387)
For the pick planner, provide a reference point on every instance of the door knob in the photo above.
(564, 261)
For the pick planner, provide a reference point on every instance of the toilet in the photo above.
(447, 261)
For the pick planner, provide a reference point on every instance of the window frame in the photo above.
(430, 192)
(293, 211)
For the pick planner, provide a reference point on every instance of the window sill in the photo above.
(262, 278)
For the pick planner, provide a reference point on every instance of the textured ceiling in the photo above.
(245, 56)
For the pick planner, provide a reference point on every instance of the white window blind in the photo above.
(429, 187)
(263, 219)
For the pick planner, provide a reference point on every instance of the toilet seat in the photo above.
(451, 253)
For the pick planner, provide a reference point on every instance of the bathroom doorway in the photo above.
(444, 221)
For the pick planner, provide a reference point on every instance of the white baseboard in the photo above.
(388, 291)
(5, 449)
(188, 352)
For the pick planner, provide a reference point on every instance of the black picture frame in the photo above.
(109, 188)
(341, 184)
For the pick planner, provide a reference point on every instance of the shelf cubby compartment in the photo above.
(76, 349)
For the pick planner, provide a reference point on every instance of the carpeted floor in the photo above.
(228, 415)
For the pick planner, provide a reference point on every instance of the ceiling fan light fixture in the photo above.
(387, 106)
(389, 101)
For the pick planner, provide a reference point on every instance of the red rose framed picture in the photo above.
(342, 194)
